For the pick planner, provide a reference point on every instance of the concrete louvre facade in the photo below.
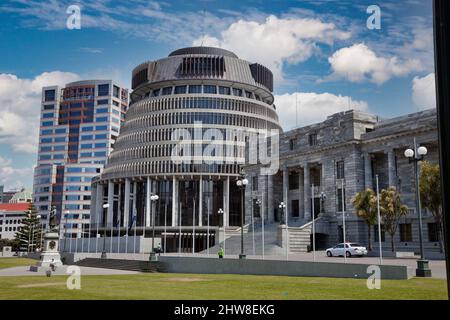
(348, 148)
(204, 93)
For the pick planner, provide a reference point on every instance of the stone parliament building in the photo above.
(347, 149)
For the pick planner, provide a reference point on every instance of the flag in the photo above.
(133, 220)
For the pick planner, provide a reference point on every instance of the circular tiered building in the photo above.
(183, 140)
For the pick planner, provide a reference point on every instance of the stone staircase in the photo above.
(121, 264)
(235, 231)
(300, 238)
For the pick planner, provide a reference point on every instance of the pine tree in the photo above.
(29, 234)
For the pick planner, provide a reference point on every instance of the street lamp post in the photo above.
(415, 156)
(258, 203)
(241, 184)
(40, 229)
(283, 220)
(379, 221)
(221, 212)
(153, 199)
(105, 207)
(65, 230)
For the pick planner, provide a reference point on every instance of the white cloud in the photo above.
(275, 41)
(424, 92)
(359, 63)
(20, 101)
(13, 178)
(312, 107)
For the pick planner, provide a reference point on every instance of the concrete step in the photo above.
(118, 264)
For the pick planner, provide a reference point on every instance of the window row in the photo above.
(200, 103)
(204, 89)
(140, 137)
(167, 167)
(201, 117)
(169, 150)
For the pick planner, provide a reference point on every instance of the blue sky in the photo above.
(323, 56)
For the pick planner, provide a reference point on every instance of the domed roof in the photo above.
(203, 50)
(21, 196)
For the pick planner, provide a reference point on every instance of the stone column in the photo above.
(110, 213)
(126, 204)
(119, 203)
(200, 202)
(93, 209)
(301, 205)
(307, 191)
(368, 183)
(99, 203)
(174, 202)
(285, 195)
(391, 168)
(147, 203)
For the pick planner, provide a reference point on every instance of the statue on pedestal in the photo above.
(50, 256)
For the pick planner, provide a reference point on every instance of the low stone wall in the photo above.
(280, 268)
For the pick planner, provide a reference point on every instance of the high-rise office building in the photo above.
(79, 126)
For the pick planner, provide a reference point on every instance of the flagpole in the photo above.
(193, 228)
(89, 239)
(118, 233)
(111, 235)
(179, 223)
(82, 235)
(207, 232)
(263, 214)
(134, 221)
(343, 220)
(126, 238)
(165, 227)
(379, 222)
(313, 224)
(96, 233)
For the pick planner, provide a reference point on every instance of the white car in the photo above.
(351, 249)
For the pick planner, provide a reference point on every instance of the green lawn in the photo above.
(207, 287)
(15, 262)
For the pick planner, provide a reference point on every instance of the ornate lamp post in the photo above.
(41, 230)
(414, 156)
(322, 197)
(258, 203)
(153, 199)
(282, 207)
(221, 212)
(283, 220)
(241, 183)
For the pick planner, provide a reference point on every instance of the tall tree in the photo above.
(392, 209)
(431, 195)
(365, 204)
(29, 234)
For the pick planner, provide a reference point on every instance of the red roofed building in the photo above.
(11, 215)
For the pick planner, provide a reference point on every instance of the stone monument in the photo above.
(50, 256)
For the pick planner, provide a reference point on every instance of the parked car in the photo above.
(351, 249)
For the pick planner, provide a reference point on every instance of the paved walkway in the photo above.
(24, 271)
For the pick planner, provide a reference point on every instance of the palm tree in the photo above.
(431, 195)
(392, 209)
(365, 204)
